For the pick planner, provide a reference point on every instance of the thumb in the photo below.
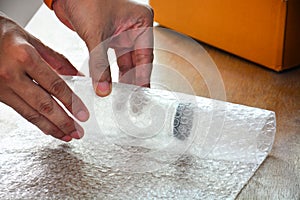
(59, 11)
(100, 70)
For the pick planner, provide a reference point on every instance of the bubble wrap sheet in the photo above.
(139, 144)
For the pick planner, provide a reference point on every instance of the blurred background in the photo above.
(20, 10)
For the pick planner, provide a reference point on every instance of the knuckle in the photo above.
(46, 106)
(149, 12)
(24, 54)
(66, 125)
(34, 118)
(58, 88)
(16, 45)
(37, 119)
(6, 74)
(51, 131)
(124, 67)
(100, 63)
(144, 58)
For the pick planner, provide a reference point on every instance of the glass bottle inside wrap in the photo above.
(163, 125)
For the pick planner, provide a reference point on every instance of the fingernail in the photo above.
(76, 135)
(103, 88)
(82, 116)
(66, 138)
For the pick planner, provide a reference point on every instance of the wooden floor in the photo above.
(249, 84)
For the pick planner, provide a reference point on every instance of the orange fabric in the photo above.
(49, 3)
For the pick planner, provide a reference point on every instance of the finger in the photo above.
(14, 101)
(57, 61)
(100, 71)
(126, 67)
(143, 57)
(45, 105)
(40, 71)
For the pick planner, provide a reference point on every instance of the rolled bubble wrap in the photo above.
(140, 143)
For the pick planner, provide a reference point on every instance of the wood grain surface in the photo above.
(250, 84)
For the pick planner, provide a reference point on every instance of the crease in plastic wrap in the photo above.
(139, 144)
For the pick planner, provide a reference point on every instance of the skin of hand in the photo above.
(123, 25)
(29, 82)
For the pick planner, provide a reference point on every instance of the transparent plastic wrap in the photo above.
(140, 144)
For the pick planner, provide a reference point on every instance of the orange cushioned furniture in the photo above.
(266, 32)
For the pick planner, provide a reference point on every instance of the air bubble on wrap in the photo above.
(169, 124)
(122, 151)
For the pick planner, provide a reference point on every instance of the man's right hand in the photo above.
(29, 82)
(123, 25)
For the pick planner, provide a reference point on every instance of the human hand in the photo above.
(122, 25)
(29, 83)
